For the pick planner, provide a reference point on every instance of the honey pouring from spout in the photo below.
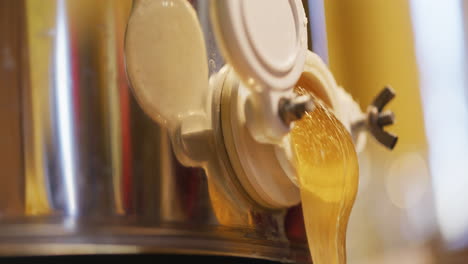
(327, 167)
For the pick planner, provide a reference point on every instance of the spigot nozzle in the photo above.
(293, 109)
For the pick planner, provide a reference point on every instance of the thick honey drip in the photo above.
(328, 174)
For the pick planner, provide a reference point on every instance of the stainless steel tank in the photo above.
(85, 171)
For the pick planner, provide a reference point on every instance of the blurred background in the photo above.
(412, 205)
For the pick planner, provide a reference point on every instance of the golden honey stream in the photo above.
(328, 172)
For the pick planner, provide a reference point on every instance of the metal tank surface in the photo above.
(85, 171)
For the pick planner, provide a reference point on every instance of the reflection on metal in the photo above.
(11, 141)
(116, 89)
(94, 173)
(37, 121)
(64, 105)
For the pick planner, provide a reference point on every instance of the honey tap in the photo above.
(247, 109)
